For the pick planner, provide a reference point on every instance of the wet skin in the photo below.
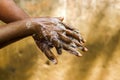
(48, 32)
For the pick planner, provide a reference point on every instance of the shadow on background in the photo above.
(20, 64)
(102, 43)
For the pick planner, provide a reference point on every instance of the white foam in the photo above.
(28, 24)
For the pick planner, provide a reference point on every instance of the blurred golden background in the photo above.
(99, 23)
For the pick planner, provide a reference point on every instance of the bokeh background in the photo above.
(98, 22)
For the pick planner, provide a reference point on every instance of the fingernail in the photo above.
(83, 40)
(54, 61)
(59, 52)
(79, 54)
(85, 49)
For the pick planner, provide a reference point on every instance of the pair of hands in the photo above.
(52, 32)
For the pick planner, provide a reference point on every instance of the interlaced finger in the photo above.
(45, 46)
(73, 32)
(46, 50)
(57, 45)
(71, 50)
(68, 26)
(79, 45)
(64, 38)
(73, 35)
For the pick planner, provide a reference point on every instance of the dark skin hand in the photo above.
(61, 36)
(47, 32)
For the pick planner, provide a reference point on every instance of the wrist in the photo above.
(31, 25)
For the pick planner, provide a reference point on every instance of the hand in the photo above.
(52, 32)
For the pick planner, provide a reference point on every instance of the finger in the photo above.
(74, 30)
(83, 49)
(59, 50)
(60, 18)
(68, 40)
(65, 38)
(50, 55)
(79, 45)
(73, 45)
(68, 26)
(71, 50)
(73, 35)
(57, 45)
(46, 50)
(83, 40)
